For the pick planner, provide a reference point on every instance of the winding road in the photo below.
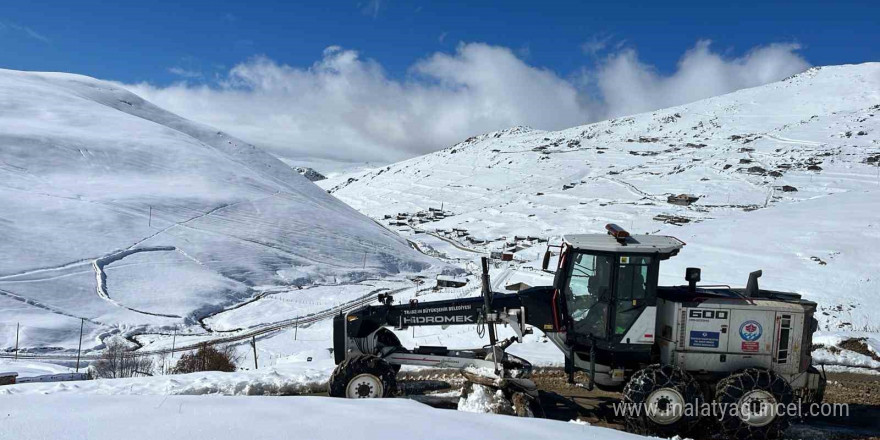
(239, 337)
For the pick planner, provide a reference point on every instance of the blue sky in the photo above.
(140, 41)
(382, 80)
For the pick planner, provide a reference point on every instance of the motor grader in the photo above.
(671, 350)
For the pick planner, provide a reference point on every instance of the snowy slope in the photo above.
(135, 219)
(817, 132)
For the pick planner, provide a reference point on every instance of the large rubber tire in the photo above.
(657, 399)
(753, 388)
(363, 376)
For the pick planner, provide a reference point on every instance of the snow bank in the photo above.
(483, 399)
(843, 358)
(284, 379)
(32, 369)
(317, 418)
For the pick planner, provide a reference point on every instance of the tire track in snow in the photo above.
(98, 264)
(47, 269)
(633, 189)
(45, 307)
(101, 276)
(785, 140)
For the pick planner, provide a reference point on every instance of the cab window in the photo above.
(633, 291)
(588, 292)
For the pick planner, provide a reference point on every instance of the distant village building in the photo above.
(672, 219)
(451, 281)
(60, 377)
(682, 199)
(8, 378)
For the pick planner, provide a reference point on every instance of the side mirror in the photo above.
(546, 260)
(692, 276)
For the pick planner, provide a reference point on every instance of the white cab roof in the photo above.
(636, 244)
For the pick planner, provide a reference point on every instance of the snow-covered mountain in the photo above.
(121, 213)
(786, 177)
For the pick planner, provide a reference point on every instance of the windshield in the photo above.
(632, 291)
(588, 290)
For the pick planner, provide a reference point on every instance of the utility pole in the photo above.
(254, 345)
(16, 340)
(295, 329)
(173, 340)
(365, 260)
(150, 223)
(82, 324)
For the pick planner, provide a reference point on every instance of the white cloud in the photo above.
(371, 8)
(345, 107)
(596, 44)
(186, 73)
(629, 86)
(24, 30)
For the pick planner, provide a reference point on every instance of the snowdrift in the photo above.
(214, 417)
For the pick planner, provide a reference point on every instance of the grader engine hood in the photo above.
(716, 333)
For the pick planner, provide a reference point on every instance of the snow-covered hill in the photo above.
(121, 213)
(786, 174)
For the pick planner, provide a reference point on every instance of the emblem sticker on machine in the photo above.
(704, 339)
(750, 346)
(750, 331)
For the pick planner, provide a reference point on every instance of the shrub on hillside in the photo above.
(118, 362)
(207, 358)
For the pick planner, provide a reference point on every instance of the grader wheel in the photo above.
(364, 376)
(757, 395)
(658, 397)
